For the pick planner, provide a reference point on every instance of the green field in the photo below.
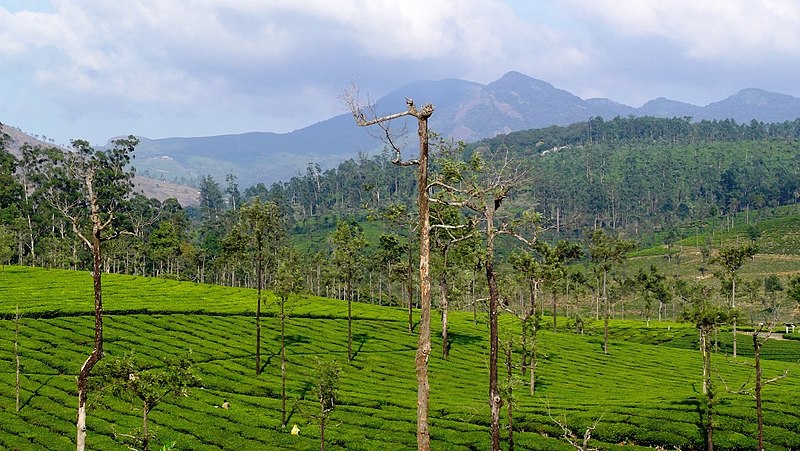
(645, 393)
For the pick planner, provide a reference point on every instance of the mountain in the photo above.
(150, 187)
(464, 110)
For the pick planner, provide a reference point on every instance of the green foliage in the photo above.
(157, 318)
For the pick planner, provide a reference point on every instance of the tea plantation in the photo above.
(645, 393)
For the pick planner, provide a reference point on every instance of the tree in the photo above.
(288, 281)
(731, 259)
(555, 260)
(132, 380)
(424, 343)
(348, 244)
(481, 186)
(87, 187)
(707, 317)
(390, 251)
(448, 232)
(327, 394)
(265, 229)
(606, 252)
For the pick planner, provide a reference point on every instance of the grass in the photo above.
(646, 392)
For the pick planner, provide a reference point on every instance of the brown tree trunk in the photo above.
(759, 412)
(260, 276)
(410, 283)
(733, 306)
(555, 327)
(322, 433)
(97, 351)
(349, 320)
(510, 396)
(283, 363)
(16, 355)
(443, 291)
(495, 401)
(708, 389)
(607, 309)
(145, 433)
(424, 342)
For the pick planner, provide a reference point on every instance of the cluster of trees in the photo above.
(77, 209)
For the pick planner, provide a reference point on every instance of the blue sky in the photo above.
(95, 69)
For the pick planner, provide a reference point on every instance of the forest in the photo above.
(654, 220)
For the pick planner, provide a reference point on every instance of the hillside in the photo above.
(150, 187)
(641, 395)
(465, 110)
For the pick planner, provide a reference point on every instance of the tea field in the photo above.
(645, 393)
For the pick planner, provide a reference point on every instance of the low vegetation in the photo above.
(646, 392)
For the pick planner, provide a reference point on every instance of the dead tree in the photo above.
(424, 343)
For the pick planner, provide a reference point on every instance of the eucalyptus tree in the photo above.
(348, 244)
(450, 230)
(88, 187)
(607, 252)
(264, 228)
(707, 316)
(533, 273)
(480, 186)
(390, 254)
(732, 259)
(288, 281)
(555, 258)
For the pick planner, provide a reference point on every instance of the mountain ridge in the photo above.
(464, 110)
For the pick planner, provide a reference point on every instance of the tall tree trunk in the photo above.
(97, 351)
(759, 412)
(349, 295)
(495, 401)
(424, 342)
(145, 433)
(443, 291)
(733, 306)
(410, 282)
(510, 395)
(322, 432)
(260, 275)
(283, 362)
(709, 390)
(16, 355)
(555, 327)
(607, 311)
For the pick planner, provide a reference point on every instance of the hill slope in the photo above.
(643, 394)
(464, 110)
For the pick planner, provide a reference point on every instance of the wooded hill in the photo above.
(633, 175)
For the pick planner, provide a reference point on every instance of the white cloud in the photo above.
(734, 30)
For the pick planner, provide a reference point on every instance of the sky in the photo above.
(97, 69)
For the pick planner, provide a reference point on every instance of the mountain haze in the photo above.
(465, 110)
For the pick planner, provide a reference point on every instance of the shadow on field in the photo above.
(454, 338)
(360, 339)
(295, 339)
(35, 393)
(699, 407)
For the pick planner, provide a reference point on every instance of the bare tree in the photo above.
(424, 342)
